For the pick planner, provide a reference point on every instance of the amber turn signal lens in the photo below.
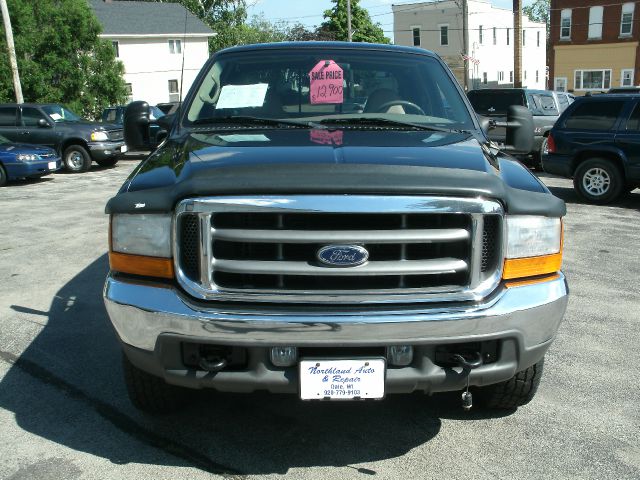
(141, 265)
(531, 280)
(531, 266)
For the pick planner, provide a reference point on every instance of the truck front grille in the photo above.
(266, 249)
(116, 135)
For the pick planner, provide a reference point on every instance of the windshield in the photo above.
(60, 114)
(323, 84)
(155, 113)
(492, 102)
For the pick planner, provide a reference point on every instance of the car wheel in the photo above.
(107, 162)
(3, 176)
(150, 393)
(76, 159)
(598, 180)
(515, 392)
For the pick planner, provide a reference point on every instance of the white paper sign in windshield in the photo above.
(242, 96)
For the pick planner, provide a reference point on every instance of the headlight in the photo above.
(141, 244)
(142, 234)
(529, 236)
(99, 137)
(534, 246)
(25, 157)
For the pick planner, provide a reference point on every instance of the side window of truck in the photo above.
(594, 115)
(633, 122)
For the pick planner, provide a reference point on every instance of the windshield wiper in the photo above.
(370, 121)
(248, 120)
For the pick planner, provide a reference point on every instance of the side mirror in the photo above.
(519, 127)
(42, 123)
(136, 126)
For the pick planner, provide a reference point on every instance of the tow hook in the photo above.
(467, 366)
(213, 364)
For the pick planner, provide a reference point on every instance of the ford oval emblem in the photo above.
(343, 255)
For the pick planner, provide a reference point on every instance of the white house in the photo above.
(152, 40)
(438, 26)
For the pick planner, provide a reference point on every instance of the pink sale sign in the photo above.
(326, 82)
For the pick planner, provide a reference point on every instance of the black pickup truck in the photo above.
(77, 141)
(330, 220)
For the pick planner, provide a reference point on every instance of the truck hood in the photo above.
(273, 161)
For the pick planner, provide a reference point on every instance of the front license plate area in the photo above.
(51, 165)
(123, 149)
(342, 379)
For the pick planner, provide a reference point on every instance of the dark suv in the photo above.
(78, 141)
(597, 142)
(494, 102)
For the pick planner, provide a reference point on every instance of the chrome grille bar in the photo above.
(406, 267)
(343, 236)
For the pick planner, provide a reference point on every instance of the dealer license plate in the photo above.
(123, 149)
(342, 379)
(52, 165)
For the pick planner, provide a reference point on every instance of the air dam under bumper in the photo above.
(149, 316)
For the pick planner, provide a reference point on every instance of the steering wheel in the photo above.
(403, 103)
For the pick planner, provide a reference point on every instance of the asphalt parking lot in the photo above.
(65, 414)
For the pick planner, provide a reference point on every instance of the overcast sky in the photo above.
(309, 12)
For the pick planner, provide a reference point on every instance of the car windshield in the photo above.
(155, 113)
(491, 102)
(58, 113)
(321, 85)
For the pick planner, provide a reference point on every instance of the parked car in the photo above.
(624, 90)
(115, 115)
(596, 141)
(493, 103)
(279, 243)
(563, 100)
(25, 161)
(77, 141)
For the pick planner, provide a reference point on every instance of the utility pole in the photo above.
(349, 21)
(12, 51)
(465, 44)
(517, 43)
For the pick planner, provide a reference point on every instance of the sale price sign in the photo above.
(326, 80)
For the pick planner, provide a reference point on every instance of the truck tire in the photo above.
(515, 392)
(150, 393)
(76, 159)
(3, 176)
(598, 181)
(107, 162)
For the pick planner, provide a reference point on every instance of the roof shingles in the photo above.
(146, 18)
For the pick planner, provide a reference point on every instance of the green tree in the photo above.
(364, 30)
(538, 11)
(60, 57)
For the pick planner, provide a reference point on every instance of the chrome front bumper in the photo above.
(148, 316)
(141, 312)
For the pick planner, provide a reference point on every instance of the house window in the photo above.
(480, 34)
(484, 77)
(595, 22)
(560, 84)
(538, 38)
(416, 36)
(508, 35)
(626, 20)
(500, 76)
(511, 76)
(494, 36)
(523, 37)
(537, 77)
(116, 48)
(129, 89)
(173, 86)
(525, 74)
(565, 24)
(592, 80)
(444, 34)
(626, 79)
(175, 46)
